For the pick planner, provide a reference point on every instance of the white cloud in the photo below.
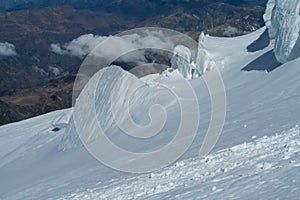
(113, 46)
(56, 71)
(79, 47)
(7, 49)
(232, 31)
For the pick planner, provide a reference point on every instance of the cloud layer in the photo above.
(116, 46)
(232, 31)
(79, 47)
(7, 49)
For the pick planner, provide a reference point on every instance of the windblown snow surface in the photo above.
(256, 157)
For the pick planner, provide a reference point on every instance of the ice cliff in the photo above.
(114, 98)
(283, 22)
(268, 19)
(191, 67)
(101, 85)
(181, 60)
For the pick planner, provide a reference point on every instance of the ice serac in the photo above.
(268, 17)
(103, 107)
(107, 78)
(285, 25)
(181, 60)
(204, 61)
(191, 67)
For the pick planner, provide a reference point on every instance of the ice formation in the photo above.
(107, 78)
(182, 61)
(268, 17)
(113, 92)
(192, 68)
(204, 62)
(283, 22)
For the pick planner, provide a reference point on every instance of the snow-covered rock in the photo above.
(284, 27)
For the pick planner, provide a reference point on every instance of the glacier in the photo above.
(283, 22)
(256, 156)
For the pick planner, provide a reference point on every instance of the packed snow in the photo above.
(221, 175)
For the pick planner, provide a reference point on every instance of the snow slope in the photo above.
(257, 155)
(223, 175)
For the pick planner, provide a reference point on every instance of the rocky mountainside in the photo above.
(31, 27)
(124, 6)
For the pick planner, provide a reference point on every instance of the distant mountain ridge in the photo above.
(113, 5)
(36, 72)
